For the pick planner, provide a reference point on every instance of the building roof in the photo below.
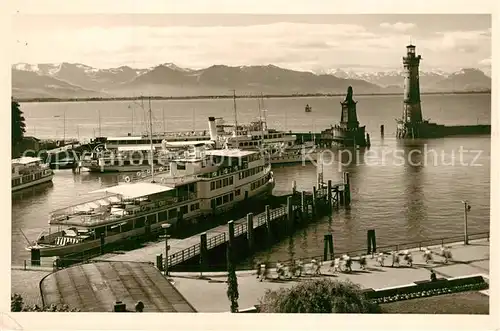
(95, 287)
(135, 190)
(26, 160)
(230, 152)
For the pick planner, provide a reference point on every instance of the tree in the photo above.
(18, 125)
(318, 296)
(232, 280)
(17, 305)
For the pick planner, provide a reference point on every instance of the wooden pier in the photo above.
(300, 207)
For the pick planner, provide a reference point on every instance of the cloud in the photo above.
(485, 62)
(398, 26)
(292, 45)
(461, 41)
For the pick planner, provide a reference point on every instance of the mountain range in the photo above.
(75, 80)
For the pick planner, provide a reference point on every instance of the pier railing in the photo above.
(239, 229)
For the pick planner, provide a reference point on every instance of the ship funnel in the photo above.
(173, 169)
(212, 127)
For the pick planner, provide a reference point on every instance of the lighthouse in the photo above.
(410, 125)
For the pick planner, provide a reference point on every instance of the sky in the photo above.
(317, 43)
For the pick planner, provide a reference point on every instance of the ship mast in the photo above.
(235, 114)
(151, 142)
(261, 125)
(263, 109)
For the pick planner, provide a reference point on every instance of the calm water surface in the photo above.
(406, 191)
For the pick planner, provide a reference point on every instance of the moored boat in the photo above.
(28, 172)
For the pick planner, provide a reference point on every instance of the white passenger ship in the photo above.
(29, 171)
(130, 158)
(204, 182)
(279, 145)
(130, 153)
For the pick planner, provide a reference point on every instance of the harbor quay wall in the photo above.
(467, 129)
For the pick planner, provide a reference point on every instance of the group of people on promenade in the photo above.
(344, 264)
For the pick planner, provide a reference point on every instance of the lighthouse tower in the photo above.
(411, 124)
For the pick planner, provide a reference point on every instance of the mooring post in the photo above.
(382, 130)
(314, 202)
(289, 213)
(328, 247)
(330, 243)
(329, 193)
(347, 189)
(102, 243)
(35, 256)
(159, 261)
(341, 195)
(325, 248)
(230, 227)
(371, 242)
(250, 231)
(268, 221)
(303, 206)
(203, 252)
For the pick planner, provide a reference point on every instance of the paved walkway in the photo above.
(210, 295)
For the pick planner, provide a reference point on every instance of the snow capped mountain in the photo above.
(48, 69)
(174, 67)
(168, 78)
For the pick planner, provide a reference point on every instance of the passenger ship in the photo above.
(130, 158)
(29, 171)
(204, 182)
(279, 145)
(127, 154)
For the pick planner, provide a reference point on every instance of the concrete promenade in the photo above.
(209, 295)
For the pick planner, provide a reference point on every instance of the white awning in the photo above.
(26, 160)
(135, 190)
(134, 148)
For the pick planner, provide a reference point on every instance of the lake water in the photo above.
(406, 191)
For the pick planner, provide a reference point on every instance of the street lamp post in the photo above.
(166, 226)
(466, 210)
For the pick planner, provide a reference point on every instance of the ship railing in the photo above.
(182, 134)
(145, 174)
(177, 180)
(100, 213)
(225, 171)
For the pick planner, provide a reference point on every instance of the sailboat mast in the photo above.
(235, 114)
(151, 142)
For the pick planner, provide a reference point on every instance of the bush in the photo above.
(318, 296)
(17, 305)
